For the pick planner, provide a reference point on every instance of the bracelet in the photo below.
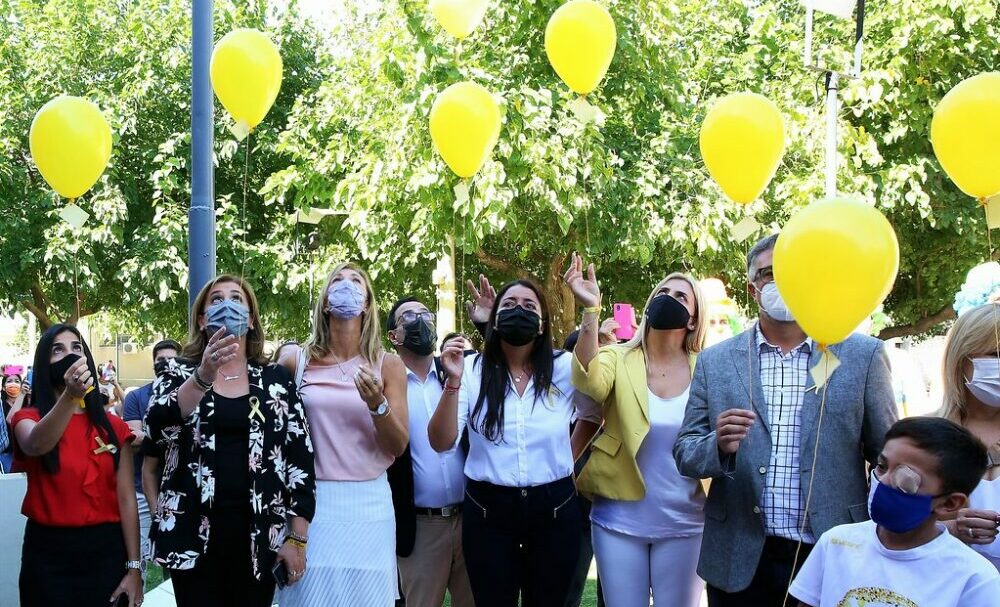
(294, 541)
(593, 310)
(204, 385)
(449, 389)
(299, 538)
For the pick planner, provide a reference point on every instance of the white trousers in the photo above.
(632, 567)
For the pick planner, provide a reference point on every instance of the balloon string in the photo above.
(812, 469)
(989, 259)
(461, 253)
(243, 208)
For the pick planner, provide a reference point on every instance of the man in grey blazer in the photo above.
(753, 425)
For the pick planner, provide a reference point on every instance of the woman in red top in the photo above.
(81, 542)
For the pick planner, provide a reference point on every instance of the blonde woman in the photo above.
(647, 519)
(355, 398)
(972, 399)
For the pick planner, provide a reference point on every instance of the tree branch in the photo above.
(921, 326)
(43, 318)
(500, 265)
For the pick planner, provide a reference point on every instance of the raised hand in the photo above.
(369, 387)
(221, 349)
(78, 380)
(482, 300)
(453, 359)
(585, 288)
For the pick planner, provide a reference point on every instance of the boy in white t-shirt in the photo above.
(903, 557)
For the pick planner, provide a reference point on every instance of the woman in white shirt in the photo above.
(521, 521)
(972, 399)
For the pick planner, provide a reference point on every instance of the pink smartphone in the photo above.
(625, 317)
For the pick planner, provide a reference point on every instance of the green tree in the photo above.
(631, 190)
(133, 59)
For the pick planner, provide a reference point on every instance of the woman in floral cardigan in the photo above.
(238, 488)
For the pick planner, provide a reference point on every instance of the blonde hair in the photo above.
(198, 338)
(318, 344)
(695, 339)
(975, 332)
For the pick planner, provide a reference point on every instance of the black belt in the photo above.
(447, 511)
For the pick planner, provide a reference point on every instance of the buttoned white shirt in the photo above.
(535, 447)
(438, 478)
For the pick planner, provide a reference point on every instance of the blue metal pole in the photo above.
(201, 215)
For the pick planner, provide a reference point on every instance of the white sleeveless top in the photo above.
(987, 497)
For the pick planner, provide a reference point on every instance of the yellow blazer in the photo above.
(616, 377)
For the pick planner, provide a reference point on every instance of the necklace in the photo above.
(520, 376)
(339, 368)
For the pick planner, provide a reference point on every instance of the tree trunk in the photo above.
(562, 303)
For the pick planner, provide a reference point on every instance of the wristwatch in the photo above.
(382, 410)
(137, 565)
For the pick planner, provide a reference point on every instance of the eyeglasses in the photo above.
(765, 274)
(411, 316)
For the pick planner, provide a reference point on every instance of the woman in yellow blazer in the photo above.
(647, 519)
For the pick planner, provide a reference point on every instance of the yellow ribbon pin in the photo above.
(102, 447)
(255, 409)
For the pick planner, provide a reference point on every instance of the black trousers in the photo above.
(771, 580)
(521, 541)
(75, 566)
(223, 576)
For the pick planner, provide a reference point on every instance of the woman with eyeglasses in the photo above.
(81, 541)
(238, 490)
(355, 397)
(521, 521)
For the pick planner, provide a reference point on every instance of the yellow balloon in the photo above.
(834, 263)
(742, 142)
(70, 142)
(580, 41)
(459, 17)
(246, 74)
(465, 126)
(965, 133)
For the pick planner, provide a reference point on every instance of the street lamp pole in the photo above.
(832, 77)
(201, 215)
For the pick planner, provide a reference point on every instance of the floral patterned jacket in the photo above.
(282, 480)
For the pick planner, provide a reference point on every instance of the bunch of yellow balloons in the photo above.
(834, 263)
(70, 142)
(742, 142)
(246, 73)
(965, 133)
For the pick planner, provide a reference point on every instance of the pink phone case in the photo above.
(624, 316)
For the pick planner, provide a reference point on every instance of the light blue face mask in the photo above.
(229, 314)
(344, 299)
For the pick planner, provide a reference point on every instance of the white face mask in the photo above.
(773, 305)
(985, 382)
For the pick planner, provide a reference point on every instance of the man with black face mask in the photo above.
(136, 403)
(427, 487)
(788, 460)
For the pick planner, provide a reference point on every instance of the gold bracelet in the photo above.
(295, 542)
(593, 310)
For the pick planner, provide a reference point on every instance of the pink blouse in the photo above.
(343, 431)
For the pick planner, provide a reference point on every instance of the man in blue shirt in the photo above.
(136, 403)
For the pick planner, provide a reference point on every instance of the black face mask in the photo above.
(58, 369)
(517, 326)
(160, 367)
(666, 313)
(419, 337)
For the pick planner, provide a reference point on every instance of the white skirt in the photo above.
(351, 554)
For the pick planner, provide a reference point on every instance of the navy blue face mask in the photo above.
(896, 510)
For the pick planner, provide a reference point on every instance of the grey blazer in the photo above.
(860, 407)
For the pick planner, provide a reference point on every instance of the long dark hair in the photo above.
(44, 394)
(495, 383)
